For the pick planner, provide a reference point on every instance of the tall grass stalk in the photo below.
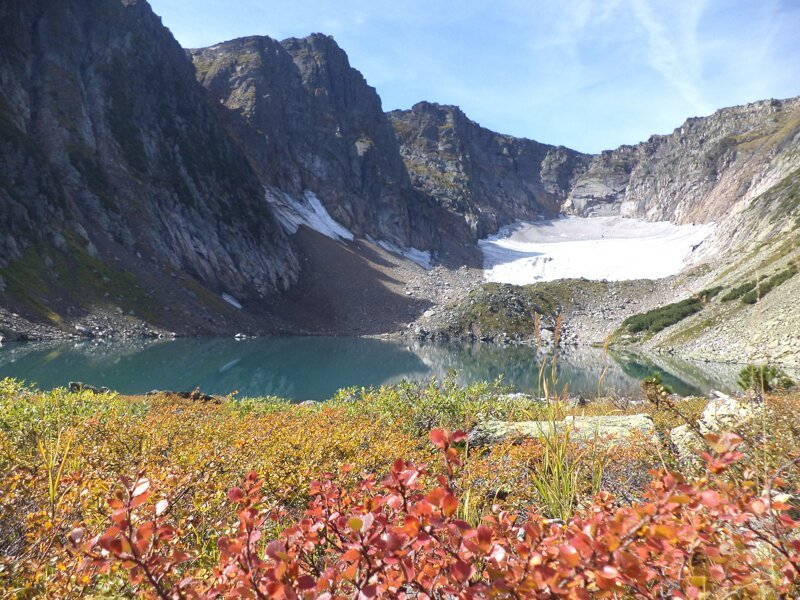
(54, 458)
(558, 475)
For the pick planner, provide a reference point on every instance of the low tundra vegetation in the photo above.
(378, 493)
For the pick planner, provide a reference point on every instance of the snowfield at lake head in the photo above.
(611, 248)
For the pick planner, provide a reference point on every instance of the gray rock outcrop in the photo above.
(578, 428)
(723, 413)
(308, 121)
(705, 170)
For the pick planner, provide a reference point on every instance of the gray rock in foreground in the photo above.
(723, 413)
(578, 428)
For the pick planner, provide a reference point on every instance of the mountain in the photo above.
(312, 127)
(257, 185)
(700, 172)
(486, 178)
(116, 173)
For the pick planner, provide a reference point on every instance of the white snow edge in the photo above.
(421, 257)
(292, 213)
(597, 248)
(232, 301)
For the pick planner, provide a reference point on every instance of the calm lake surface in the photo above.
(315, 368)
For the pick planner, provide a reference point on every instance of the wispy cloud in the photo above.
(673, 49)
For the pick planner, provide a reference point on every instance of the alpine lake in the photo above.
(315, 368)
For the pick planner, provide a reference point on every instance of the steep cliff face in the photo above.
(308, 121)
(113, 161)
(706, 170)
(489, 178)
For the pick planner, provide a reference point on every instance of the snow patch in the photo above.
(292, 213)
(611, 248)
(421, 257)
(232, 301)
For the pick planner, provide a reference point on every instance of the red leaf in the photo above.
(459, 436)
(306, 582)
(461, 571)
(569, 555)
(449, 505)
(440, 437)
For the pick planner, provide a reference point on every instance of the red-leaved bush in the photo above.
(394, 539)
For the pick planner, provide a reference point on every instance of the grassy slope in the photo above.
(764, 269)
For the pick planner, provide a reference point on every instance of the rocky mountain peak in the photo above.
(705, 170)
(489, 178)
(114, 161)
(309, 122)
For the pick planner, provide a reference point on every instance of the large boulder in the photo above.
(579, 428)
(723, 413)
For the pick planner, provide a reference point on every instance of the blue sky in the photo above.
(588, 74)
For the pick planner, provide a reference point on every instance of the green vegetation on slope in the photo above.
(43, 280)
(760, 290)
(660, 318)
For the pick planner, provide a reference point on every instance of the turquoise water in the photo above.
(314, 368)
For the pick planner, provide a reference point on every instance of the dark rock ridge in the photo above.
(308, 121)
(487, 178)
(709, 169)
(113, 161)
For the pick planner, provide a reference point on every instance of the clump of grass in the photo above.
(558, 473)
(660, 318)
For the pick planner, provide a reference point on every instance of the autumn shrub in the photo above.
(398, 538)
(63, 456)
(665, 316)
(762, 289)
(61, 453)
(420, 407)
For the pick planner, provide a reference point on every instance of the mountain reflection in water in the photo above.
(304, 368)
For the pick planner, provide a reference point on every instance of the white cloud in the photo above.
(673, 49)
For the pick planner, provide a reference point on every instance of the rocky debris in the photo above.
(77, 386)
(15, 328)
(195, 395)
(579, 428)
(726, 413)
(590, 310)
(308, 403)
(84, 331)
(765, 332)
(723, 413)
